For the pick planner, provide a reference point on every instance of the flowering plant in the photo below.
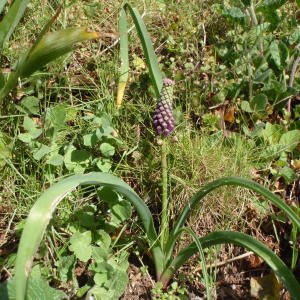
(161, 243)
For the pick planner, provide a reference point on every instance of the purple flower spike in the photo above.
(163, 120)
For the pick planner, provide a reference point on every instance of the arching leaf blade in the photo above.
(236, 181)
(41, 213)
(243, 240)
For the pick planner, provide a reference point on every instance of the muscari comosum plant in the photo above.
(161, 244)
(47, 47)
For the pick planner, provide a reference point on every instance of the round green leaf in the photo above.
(107, 150)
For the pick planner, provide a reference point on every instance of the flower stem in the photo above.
(164, 227)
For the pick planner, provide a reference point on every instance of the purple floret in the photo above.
(163, 120)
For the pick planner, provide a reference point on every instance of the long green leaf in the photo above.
(216, 184)
(45, 29)
(151, 59)
(41, 213)
(124, 68)
(53, 45)
(13, 77)
(243, 240)
(11, 20)
(49, 46)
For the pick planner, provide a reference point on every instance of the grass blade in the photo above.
(218, 183)
(243, 240)
(202, 258)
(41, 213)
(151, 59)
(11, 20)
(124, 68)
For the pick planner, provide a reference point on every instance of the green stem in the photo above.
(164, 227)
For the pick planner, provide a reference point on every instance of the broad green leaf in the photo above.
(104, 165)
(245, 106)
(86, 216)
(40, 152)
(11, 19)
(284, 55)
(110, 283)
(272, 151)
(263, 77)
(29, 124)
(81, 245)
(288, 174)
(53, 45)
(31, 104)
(279, 54)
(107, 150)
(108, 196)
(32, 132)
(121, 261)
(25, 137)
(256, 31)
(100, 255)
(259, 102)
(295, 37)
(90, 140)
(290, 140)
(219, 97)
(56, 117)
(37, 289)
(274, 51)
(66, 266)
(121, 211)
(103, 239)
(55, 160)
(80, 156)
(272, 133)
(76, 159)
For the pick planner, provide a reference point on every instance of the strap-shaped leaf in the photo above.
(41, 213)
(53, 45)
(151, 59)
(48, 47)
(243, 240)
(216, 184)
(124, 68)
(11, 19)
